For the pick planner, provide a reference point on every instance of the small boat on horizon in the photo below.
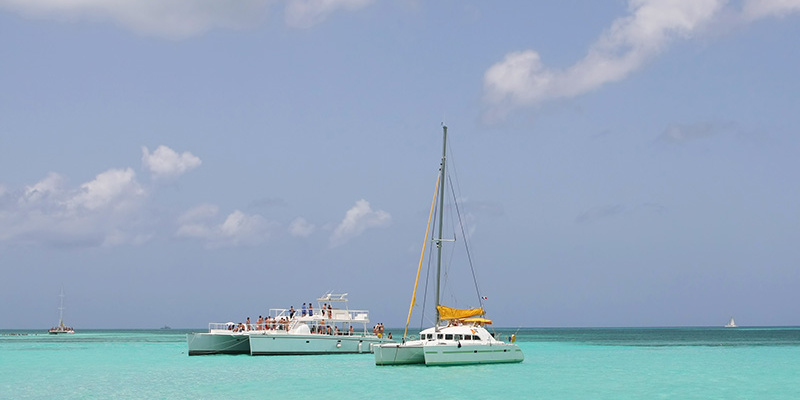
(61, 328)
(731, 324)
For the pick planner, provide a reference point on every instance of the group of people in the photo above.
(262, 324)
(282, 323)
(309, 310)
(379, 329)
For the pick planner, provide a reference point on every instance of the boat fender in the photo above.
(459, 345)
(338, 344)
(513, 338)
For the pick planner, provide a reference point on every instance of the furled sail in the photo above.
(446, 313)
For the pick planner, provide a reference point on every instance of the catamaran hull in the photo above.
(472, 354)
(292, 344)
(399, 354)
(217, 343)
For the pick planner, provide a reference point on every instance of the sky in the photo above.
(620, 163)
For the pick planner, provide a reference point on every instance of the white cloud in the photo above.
(522, 79)
(109, 210)
(301, 228)
(104, 211)
(755, 9)
(681, 133)
(357, 220)
(165, 163)
(172, 18)
(48, 186)
(178, 19)
(306, 13)
(113, 188)
(238, 228)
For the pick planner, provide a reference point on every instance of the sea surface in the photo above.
(618, 363)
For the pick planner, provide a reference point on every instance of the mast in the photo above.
(61, 309)
(441, 220)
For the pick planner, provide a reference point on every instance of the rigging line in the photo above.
(466, 244)
(422, 256)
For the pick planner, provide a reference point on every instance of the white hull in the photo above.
(452, 354)
(262, 344)
(218, 343)
(399, 353)
(450, 345)
(61, 331)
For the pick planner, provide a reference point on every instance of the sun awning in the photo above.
(446, 313)
(480, 321)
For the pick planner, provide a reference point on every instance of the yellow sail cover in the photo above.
(446, 313)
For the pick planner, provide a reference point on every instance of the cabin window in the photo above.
(429, 336)
(449, 336)
(458, 337)
(439, 336)
(475, 337)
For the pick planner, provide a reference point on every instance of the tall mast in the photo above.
(61, 309)
(441, 220)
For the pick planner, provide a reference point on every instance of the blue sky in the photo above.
(621, 163)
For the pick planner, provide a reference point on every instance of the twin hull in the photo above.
(433, 353)
(218, 343)
(288, 344)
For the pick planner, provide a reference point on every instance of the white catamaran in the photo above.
(325, 330)
(61, 328)
(731, 324)
(459, 336)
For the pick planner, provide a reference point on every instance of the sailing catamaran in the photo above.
(61, 328)
(731, 324)
(459, 336)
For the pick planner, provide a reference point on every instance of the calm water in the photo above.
(671, 363)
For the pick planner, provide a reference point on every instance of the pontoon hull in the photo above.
(452, 354)
(295, 344)
(218, 343)
(399, 354)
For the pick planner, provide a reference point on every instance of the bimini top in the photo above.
(446, 313)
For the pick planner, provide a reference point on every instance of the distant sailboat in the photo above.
(731, 324)
(61, 328)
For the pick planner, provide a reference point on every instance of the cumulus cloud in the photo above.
(301, 228)
(358, 219)
(113, 188)
(306, 13)
(109, 210)
(165, 163)
(521, 78)
(103, 211)
(178, 19)
(237, 229)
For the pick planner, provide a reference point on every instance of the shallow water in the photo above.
(685, 363)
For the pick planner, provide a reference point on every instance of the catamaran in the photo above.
(61, 328)
(330, 330)
(731, 324)
(459, 336)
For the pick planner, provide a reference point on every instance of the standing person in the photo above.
(260, 322)
(291, 312)
(247, 324)
(310, 309)
(329, 311)
(305, 311)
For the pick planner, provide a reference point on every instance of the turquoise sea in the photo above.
(620, 363)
